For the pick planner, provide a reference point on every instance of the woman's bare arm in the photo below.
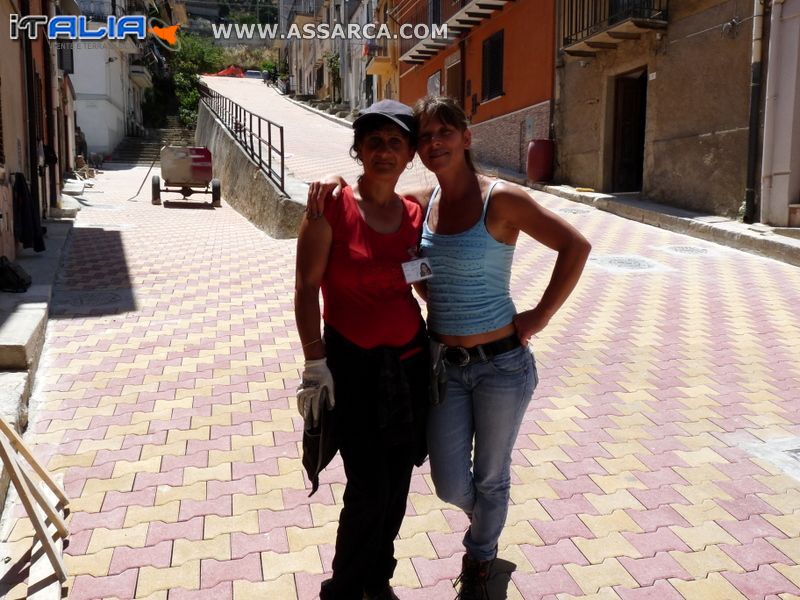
(313, 249)
(520, 212)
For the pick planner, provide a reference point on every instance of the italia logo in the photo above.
(72, 27)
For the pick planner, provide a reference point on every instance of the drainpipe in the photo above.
(755, 98)
(770, 107)
(33, 160)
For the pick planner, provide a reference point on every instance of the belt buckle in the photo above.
(464, 357)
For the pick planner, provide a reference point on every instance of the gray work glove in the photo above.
(315, 390)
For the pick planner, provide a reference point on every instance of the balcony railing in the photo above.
(373, 48)
(303, 8)
(582, 19)
(459, 16)
(424, 12)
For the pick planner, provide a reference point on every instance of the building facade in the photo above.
(497, 61)
(653, 97)
(109, 82)
(36, 117)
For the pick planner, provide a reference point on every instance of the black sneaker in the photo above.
(471, 584)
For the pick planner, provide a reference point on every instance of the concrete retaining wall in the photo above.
(244, 185)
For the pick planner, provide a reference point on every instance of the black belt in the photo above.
(459, 356)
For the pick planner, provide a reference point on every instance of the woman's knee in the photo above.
(495, 487)
(457, 490)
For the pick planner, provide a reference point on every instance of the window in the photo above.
(65, 62)
(435, 84)
(492, 85)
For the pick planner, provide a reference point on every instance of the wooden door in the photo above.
(630, 107)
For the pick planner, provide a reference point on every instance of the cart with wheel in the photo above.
(185, 169)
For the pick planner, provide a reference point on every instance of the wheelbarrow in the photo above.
(184, 169)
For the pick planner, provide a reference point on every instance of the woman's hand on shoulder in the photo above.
(421, 196)
(321, 192)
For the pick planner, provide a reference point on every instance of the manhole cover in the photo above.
(625, 263)
(88, 298)
(687, 250)
(573, 211)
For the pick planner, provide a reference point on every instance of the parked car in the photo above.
(253, 73)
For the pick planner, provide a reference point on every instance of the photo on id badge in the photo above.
(417, 270)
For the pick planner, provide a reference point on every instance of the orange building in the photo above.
(498, 61)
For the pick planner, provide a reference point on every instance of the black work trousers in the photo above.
(378, 459)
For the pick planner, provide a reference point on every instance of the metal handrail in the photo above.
(581, 19)
(248, 130)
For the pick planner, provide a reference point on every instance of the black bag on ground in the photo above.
(13, 278)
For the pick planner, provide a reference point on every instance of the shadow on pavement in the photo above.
(500, 578)
(187, 204)
(94, 277)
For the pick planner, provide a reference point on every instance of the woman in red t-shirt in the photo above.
(370, 365)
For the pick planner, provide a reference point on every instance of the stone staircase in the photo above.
(143, 150)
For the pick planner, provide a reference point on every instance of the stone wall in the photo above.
(696, 128)
(244, 186)
(503, 141)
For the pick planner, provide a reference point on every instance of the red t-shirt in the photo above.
(367, 299)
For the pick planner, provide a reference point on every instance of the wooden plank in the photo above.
(61, 528)
(19, 446)
(9, 459)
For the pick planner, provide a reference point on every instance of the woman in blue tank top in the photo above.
(484, 367)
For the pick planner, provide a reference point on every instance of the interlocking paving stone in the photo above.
(170, 413)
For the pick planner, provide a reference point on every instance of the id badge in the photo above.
(417, 270)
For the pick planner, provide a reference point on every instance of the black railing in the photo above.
(250, 130)
(303, 8)
(373, 48)
(427, 12)
(581, 19)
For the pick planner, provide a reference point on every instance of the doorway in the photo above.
(630, 113)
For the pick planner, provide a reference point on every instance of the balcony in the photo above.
(100, 10)
(589, 26)
(303, 11)
(378, 62)
(459, 15)
(140, 75)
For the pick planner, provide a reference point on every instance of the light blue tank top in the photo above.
(469, 291)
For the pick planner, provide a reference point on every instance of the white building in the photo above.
(780, 174)
(108, 89)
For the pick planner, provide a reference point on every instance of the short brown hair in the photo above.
(449, 112)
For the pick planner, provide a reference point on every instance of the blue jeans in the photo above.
(484, 402)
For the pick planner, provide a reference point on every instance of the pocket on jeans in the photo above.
(512, 362)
